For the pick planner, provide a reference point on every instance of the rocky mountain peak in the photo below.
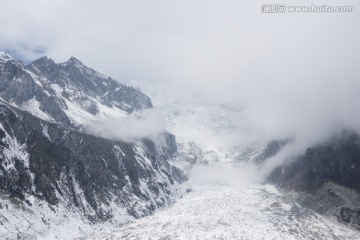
(43, 60)
(75, 61)
(71, 90)
(43, 65)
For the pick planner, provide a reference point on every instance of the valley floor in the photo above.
(222, 211)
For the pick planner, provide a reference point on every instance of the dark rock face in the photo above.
(270, 150)
(330, 173)
(348, 215)
(61, 165)
(337, 161)
(16, 84)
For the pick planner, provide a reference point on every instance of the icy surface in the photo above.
(221, 211)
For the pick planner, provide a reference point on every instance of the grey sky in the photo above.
(294, 73)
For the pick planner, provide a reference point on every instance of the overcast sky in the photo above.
(293, 73)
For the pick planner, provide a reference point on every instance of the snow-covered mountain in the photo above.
(59, 180)
(67, 93)
(52, 170)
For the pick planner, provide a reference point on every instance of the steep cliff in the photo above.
(327, 178)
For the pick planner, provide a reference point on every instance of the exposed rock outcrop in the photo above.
(328, 175)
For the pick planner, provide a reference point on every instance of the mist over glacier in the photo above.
(294, 76)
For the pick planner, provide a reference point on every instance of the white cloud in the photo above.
(295, 74)
(135, 126)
